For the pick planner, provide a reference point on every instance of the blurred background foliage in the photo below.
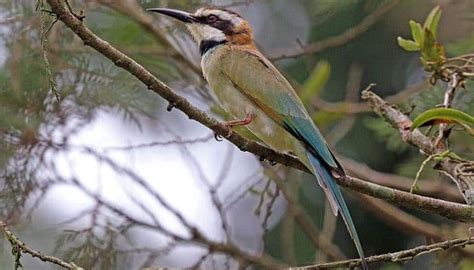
(88, 83)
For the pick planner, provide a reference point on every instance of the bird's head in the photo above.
(209, 24)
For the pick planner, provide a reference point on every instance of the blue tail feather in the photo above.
(323, 161)
(334, 194)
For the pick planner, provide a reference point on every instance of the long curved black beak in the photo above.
(177, 14)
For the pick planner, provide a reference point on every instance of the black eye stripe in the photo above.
(225, 26)
(212, 18)
(209, 19)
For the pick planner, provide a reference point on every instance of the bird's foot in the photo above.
(240, 122)
(220, 138)
(237, 122)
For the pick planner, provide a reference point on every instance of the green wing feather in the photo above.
(259, 80)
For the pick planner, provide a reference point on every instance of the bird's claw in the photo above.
(219, 138)
(237, 122)
(229, 133)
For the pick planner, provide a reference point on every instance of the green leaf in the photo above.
(315, 81)
(408, 45)
(432, 21)
(429, 49)
(443, 115)
(416, 32)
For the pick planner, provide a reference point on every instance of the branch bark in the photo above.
(19, 247)
(401, 256)
(401, 122)
(454, 211)
(428, 187)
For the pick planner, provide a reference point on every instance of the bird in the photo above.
(252, 91)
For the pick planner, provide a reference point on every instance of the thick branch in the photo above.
(455, 211)
(401, 256)
(20, 247)
(450, 210)
(429, 188)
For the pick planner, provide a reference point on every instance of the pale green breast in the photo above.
(263, 84)
(236, 103)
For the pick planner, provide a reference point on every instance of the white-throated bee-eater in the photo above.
(255, 93)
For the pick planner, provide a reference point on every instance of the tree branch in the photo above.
(19, 247)
(401, 122)
(429, 188)
(401, 256)
(450, 210)
(402, 221)
(348, 107)
(338, 40)
(196, 236)
(455, 211)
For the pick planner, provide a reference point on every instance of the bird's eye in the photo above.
(212, 18)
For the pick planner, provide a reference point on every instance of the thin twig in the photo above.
(401, 256)
(407, 223)
(348, 107)
(319, 241)
(165, 143)
(20, 247)
(133, 10)
(338, 40)
(441, 141)
(418, 173)
(44, 49)
(399, 219)
(197, 237)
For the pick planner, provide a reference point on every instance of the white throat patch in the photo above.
(202, 32)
